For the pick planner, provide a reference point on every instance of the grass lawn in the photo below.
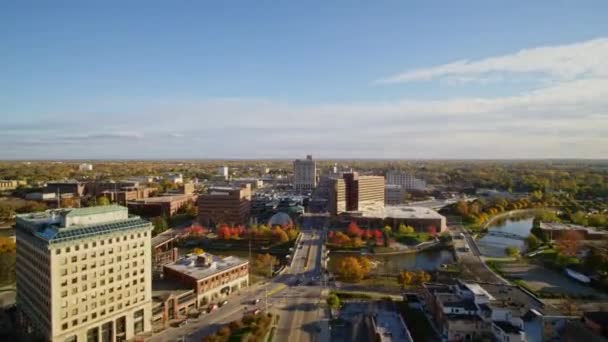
(381, 281)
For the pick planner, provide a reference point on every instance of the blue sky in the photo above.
(193, 79)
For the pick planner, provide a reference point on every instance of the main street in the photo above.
(291, 295)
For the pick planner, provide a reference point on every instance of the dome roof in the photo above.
(280, 219)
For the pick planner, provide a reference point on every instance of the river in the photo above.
(494, 246)
(393, 264)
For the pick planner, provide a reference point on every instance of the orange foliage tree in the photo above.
(568, 243)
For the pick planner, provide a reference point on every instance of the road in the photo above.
(289, 295)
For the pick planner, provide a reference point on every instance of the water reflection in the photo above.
(393, 264)
(495, 245)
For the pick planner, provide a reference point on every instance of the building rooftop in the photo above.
(401, 212)
(507, 327)
(60, 225)
(204, 265)
(162, 199)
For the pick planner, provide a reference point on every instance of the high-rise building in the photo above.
(404, 179)
(222, 172)
(230, 205)
(84, 274)
(305, 174)
(356, 193)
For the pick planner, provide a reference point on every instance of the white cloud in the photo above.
(561, 62)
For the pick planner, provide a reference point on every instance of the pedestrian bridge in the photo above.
(506, 235)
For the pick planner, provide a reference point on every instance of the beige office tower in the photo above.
(84, 274)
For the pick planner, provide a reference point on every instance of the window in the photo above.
(94, 315)
(58, 251)
(77, 247)
(74, 280)
(64, 326)
(86, 245)
(74, 312)
(67, 250)
(64, 294)
(138, 321)
(74, 322)
(64, 315)
(64, 271)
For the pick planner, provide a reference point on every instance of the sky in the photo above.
(282, 79)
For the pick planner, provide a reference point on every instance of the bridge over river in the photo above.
(505, 235)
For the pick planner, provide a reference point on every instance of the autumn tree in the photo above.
(262, 264)
(406, 278)
(353, 230)
(198, 251)
(568, 243)
(280, 235)
(224, 232)
(422, 277)
(352, 269)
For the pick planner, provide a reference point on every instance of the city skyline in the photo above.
(414, 81)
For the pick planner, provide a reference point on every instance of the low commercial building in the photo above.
(230, 205)
(85, 167)
(6, 184)
(477, 311)
(421, 219)
(160, 206)
(554, 230)
(73, 187)
(196, 281)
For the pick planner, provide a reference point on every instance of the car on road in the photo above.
(211, 308)
(255, 301)
(256, 311)
(183, 323)
(223, 303)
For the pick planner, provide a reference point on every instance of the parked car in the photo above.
(223, 303)
(182, 323)
(255, 301)
(211, 307)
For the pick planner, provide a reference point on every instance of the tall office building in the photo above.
(305, 174)
(406, 180)
(230, 205)
(84, 274)
(222, 172)
(356, 193)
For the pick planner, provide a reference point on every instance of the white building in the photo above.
(222, 172)
(175, 178)
(305, 174)
(85, 167)
(406, 180)
(84, 274)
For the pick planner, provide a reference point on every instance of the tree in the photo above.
(432, 231)
(568, 242)
(579, 217)
(405, 229)
(7, 211)
(532, 242)
(353, 230)
(198, 251)
(262, 264)
(422, 277)
(351, 269)
(333, 301)
(160, 225)
(406, 278)
(224, 232)
(512, 251)
(30, 207)
(356, 242)
(597, 220)
(67, 202)
(102, 200)
(280, 235)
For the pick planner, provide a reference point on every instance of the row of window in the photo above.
(74, 269)
(75, 322)
(101, 242)
(102, 282)
(102, 253)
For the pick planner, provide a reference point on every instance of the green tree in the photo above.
(405, 229)
(532, 242)
(103, 200)
(262, 264)
(160, 225)
(579, 217)
(333, 301)
(512, 251)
